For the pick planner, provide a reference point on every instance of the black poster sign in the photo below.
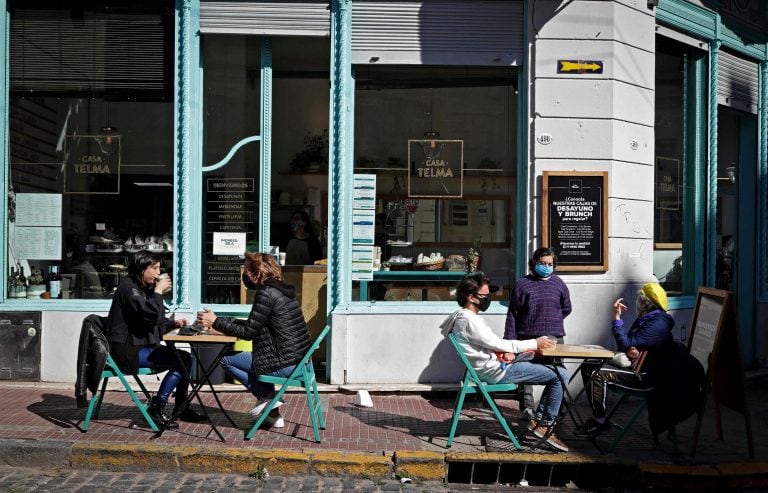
(229, 209)
(92, 164)
(435, 168)
(575, 219)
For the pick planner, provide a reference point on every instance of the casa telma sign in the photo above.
(435, 168)
(92, 164)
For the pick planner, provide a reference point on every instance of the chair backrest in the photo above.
(314, 346)
(467, 364)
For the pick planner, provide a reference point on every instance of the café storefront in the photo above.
(199, 129)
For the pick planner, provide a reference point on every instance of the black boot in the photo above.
(157, 412)
(188, 414)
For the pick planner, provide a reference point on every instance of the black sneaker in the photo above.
(592, 427)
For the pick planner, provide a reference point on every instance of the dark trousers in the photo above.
(597, 382)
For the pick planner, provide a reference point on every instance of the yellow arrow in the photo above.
(574, 66)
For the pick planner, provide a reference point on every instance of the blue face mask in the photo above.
(542, 270)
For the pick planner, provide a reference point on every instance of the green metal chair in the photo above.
(471, 384)
(304, 377)
(111, 370)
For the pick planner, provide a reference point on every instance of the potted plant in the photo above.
(314, 156)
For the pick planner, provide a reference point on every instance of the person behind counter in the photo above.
(275, 325)
(302, 247)
(136, 324)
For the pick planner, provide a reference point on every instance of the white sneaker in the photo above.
(276, 422)
(261, 404)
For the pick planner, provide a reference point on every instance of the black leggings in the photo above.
(597, 382)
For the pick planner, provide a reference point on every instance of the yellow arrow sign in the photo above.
(579, 66)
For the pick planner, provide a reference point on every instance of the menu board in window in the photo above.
(575, 219)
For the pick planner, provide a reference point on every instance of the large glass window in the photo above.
(91, 143)
(441, 143)
(299, 100)
(678, 144)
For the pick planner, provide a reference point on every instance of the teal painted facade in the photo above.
(701, 151)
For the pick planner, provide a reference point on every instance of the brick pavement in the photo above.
(380, 438)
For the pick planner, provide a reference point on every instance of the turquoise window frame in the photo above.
(341, 178)
(186, 162)
(708, 26)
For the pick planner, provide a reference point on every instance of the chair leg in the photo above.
(142, 407)
(501, 418)
(317, 402)
(628, 425)
(143, 388)
(456, 413)
(312, 411)
(103, 389)
(93, 406)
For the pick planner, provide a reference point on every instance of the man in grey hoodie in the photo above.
(481, 345)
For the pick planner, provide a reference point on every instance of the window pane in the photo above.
(91, 151)
(230, 194)
(673, 75)
(430, 215)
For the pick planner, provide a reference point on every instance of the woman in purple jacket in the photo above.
(537, 306)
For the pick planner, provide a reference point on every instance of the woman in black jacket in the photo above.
(275, 325)
(136, 324)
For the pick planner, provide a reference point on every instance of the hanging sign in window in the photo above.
(575, 219)
(436, 168)
(92, 164)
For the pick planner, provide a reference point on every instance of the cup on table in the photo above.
(282, 258)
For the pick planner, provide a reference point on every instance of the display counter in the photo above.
(432, 284)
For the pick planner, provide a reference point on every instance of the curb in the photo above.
(417, 465)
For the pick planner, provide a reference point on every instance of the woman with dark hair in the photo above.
(136, 324)
(275, 325)
(538, 304)
(303, 247)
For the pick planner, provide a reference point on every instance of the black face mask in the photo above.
(484, 303)
(247, 281)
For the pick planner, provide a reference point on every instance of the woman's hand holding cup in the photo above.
(546, 342)
(163, 284)
(206, 318)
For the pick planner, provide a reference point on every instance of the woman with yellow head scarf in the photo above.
(650, 334)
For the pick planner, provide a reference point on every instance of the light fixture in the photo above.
(109, 133)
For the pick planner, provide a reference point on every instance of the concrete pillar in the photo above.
(597, 122)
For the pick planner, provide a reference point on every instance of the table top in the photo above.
(578, 351)
(173, 336)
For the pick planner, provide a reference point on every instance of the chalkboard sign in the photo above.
(714, 341)
(707, 320)
(575, 219)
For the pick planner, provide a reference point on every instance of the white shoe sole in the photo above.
(278, 422)
(256, 411)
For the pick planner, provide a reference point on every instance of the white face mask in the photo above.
(641, 306)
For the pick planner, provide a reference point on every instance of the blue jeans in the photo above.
(161, 358)
(538, 374)
(238, 365)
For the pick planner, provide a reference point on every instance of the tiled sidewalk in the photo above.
(396, 422)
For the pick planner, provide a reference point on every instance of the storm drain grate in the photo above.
(539, 474)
